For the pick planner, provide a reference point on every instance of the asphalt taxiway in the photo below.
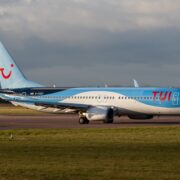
(71, 121)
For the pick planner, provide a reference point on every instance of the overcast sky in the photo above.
(94, 42)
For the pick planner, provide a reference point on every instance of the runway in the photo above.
(71, 121)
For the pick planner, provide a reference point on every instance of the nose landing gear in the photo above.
(83, 120)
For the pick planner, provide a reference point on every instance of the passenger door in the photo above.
(175, 98)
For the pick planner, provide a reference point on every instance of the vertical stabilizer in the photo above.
(10, 75)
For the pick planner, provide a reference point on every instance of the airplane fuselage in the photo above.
(150, 101)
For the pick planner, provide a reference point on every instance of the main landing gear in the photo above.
(108, 121)
(83, 120)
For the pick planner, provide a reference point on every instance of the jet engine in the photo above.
(100, 113)
(140, 116)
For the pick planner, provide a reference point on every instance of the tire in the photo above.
(108, 121)
(87, 121)
(110, 116)
(83, 120)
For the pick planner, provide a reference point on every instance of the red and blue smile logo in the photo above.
(6, 76)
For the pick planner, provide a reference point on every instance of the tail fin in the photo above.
(10, 75)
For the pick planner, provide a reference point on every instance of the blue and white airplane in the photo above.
(92, 104)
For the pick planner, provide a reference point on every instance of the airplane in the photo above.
(92, 104)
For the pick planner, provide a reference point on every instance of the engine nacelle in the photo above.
(100, 113)
(140, 116)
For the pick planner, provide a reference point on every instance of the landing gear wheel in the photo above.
(108, 121)
(83, 120)
(110, 116)
(87, 121)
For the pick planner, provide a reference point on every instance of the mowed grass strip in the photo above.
(6, 109)
(132, 153)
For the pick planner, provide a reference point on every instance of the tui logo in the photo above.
(163, 96)
(6, 76)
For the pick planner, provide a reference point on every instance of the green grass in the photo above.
(8, 109)
(131, 153)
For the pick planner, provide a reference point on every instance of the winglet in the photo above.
(136, 85)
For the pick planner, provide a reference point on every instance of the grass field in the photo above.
(8, 109)
(132, 153)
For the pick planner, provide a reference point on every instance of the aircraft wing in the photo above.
(61, 105)
(40, 102)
